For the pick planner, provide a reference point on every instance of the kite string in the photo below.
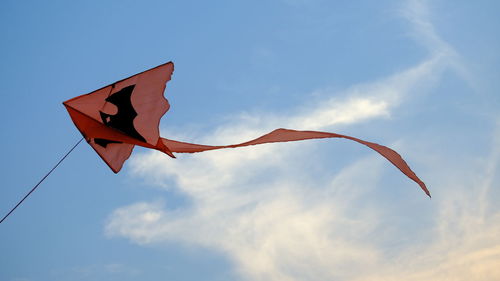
(44, 177)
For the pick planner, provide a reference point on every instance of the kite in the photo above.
(117, 117)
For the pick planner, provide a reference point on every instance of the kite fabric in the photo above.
(126, 113)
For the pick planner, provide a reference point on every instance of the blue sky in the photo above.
(418, 76)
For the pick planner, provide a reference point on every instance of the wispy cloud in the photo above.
(272, 231)
(286, 224)
(419, 16)
(463, 243)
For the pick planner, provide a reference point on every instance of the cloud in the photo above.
(463, 243)
(293, 230)
(277, 215)
(367, 101)
(273, 231)
(418, 14)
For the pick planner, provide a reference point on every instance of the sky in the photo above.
(418, 76)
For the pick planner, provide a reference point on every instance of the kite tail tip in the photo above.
(424, 188)
(428, 193)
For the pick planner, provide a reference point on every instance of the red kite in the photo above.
(126, 113)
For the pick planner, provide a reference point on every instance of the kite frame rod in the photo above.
(44, 177)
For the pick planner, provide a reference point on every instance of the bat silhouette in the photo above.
(123, 120)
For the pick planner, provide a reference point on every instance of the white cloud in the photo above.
(289, 223)
(418, 14)
(273, 231)
(367, 101)
(293, 230)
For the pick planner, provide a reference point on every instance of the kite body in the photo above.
(126, 113)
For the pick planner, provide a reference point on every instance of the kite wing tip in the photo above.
(171, 63)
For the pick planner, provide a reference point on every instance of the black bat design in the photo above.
(123, 120)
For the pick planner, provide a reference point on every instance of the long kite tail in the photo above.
(285, 135)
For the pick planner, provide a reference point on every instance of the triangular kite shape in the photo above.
(126, 113)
